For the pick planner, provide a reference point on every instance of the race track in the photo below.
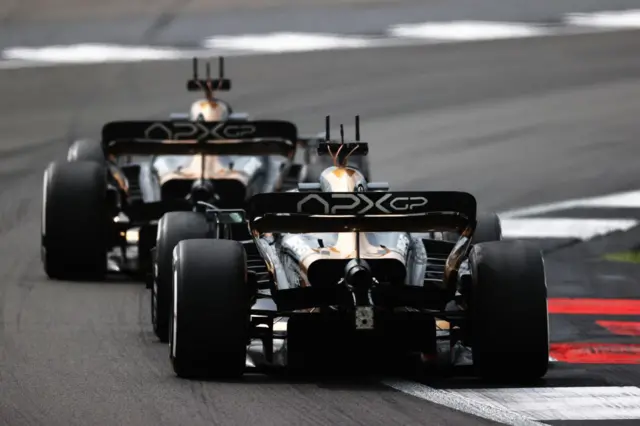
(515, 122)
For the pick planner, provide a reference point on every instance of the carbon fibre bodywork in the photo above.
(303, 277)
(414, 277)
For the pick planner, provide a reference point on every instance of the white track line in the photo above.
(628, 199)
(92, 53)
(609, 19)
(467, 30)
(450, 399)
(530, 406)
(583, 229)
(563, 403)
(287, 42)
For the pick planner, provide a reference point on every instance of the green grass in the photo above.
(631, 256)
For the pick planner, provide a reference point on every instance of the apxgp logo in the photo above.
(359, 203)
(188, 130)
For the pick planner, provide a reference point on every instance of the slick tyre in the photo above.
(488, 228)
(172, 228)
(74, 221)
(509, 321)
(210, 316)
(86, 150)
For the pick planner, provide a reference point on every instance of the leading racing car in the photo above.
(354, 272)
(85, 201)
(143, 183)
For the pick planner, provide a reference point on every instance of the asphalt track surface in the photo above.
(514, 122)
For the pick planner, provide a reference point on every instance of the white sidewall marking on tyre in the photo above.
(174, 327)
(44, 202)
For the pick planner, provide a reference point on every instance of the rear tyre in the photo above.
(172, 228)
(74, 221)
(488, 228)
(210, 316)
(86, 150)
(508, 311)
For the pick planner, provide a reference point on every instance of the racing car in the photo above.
(162, 182)
(343, 271)
(90, 207)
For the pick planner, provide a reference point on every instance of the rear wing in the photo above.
(300, 212)
(261, 137)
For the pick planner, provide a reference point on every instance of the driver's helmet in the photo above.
(205, 110)
(342, 179)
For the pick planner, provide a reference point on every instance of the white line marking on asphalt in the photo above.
(458, 402)
(628, 199)
(287, 42)
(467, 30)
(91, 53)
(607, 19)
(566, 403)
(563, 227)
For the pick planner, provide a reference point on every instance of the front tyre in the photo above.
(509, 324)
(210, 315)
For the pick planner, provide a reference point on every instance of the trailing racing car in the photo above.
(354, 273)
(90, 207)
